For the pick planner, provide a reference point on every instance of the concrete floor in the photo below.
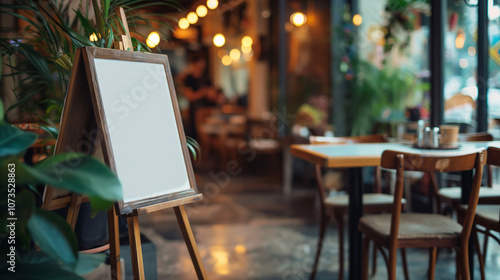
(247, 229)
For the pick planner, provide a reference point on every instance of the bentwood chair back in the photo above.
(397, 230)
(337, 206)
(451, 196)
(487, 215)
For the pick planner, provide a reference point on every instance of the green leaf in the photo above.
(13, 140)
(77, 173)
(54, 236)
(25, 205)
(87, 263)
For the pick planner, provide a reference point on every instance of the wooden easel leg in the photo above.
(74, 210)
(187, 234)
(114, 245)
(134, 234)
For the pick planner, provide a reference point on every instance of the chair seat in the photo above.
(372, 203)
(429, 229)
(486, 215)
(453, 195)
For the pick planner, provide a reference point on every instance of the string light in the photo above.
(246, 49)
(226, 60)
(235, 54)
(212, 4)
(298, 19)
(183, 23)
(192, 17)
(201, 11)
(153, 39)
(357, 19)
(219, 40)
(246, 41)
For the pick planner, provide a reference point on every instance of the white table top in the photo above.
(369, 154)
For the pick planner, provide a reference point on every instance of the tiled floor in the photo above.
(247, 229)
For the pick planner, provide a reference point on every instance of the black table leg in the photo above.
(355, 213)
(466, 189)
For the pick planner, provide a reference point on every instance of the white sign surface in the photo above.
(142, 127)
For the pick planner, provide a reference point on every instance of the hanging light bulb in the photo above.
(153, 39)
(201, 11)
(219, 40)
(246, 41)
(298, 19)
(235, 54)
(226, 60)
(212, 4)
(192, 17)
(183, 23)
(357, 19)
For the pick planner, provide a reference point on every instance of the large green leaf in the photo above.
(13, 140)
(77, 173)
(54, 236)
(25, 205)
(87, 263)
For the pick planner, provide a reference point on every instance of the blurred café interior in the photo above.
(277, 99)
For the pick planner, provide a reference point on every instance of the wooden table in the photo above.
(356, 156)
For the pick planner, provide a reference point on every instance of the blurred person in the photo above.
(199, 90)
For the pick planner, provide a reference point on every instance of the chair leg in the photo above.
(365, 258)
(432, 262)
(391, 264)
(322, 228)
(340, 222)
(405, 263)
(374, 259)
(478, 251)
(464, 262)
(485, 245)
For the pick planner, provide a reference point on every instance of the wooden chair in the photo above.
(397, 230)
(337, 206)
(451, 196)
(487, 215)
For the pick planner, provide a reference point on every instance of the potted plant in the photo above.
(39, 242)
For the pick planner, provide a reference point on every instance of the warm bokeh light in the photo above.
(153, 39)
(463, 63)
(246, 41)
(226, 60)
(248, 56)
(93, 37)
(235, 54)
(212, 4)
(460, 40)
(221, 53)
(357, 19)
(240, 249)
(219, 40)
(246, 49)
(298, 19)
(192, 17)
(183, 23)
(471, 51)
(201, 11)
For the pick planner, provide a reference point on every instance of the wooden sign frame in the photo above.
(156, 203)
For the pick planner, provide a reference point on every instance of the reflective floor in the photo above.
(247, 229)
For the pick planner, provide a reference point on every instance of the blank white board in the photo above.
(142, 128)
